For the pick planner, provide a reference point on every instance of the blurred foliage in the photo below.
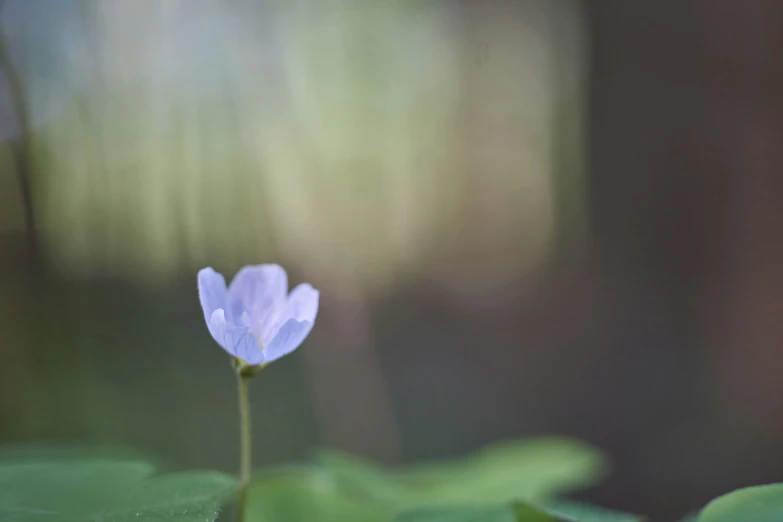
(484, 486)
(587, 513)
(511, 482)
(70, 484)
(532, 470)
(365, 141)
(305, 493)
(753, 504)
(511, 513)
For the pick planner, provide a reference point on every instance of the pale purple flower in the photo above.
(255, 319)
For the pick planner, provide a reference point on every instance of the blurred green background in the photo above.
(524, 217)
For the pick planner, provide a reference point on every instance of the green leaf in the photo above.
(69, 490)
(531, 470)
(379, 484)
(178, 497)
(529, 513)
(517, 512)
(753, 504)
(302, 494)
(586, 513)
(346, 488)
(460, 514)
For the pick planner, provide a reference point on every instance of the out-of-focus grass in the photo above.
(366, 141)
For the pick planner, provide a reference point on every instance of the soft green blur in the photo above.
(370, 148)
(364, 141)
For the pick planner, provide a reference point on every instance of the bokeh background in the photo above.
(524, 217)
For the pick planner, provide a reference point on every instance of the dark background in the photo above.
(574, 229)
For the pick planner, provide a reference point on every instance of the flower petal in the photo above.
(257, 290)
(303, 303)
(236, 340)
(211, 291)
(288, 338)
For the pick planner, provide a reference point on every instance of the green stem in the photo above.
(245, 460)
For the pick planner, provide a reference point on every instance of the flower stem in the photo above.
(245, 460)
